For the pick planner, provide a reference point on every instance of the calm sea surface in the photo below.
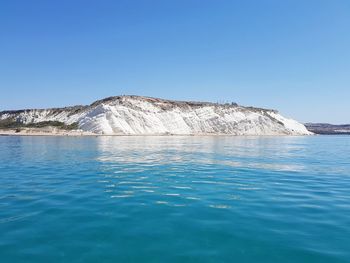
(175, 199)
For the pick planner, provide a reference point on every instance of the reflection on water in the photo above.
(175, 199)
(178, 169)
(231, 151)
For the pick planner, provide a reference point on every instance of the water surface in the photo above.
(175, 199)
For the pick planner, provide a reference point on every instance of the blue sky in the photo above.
(290, 55)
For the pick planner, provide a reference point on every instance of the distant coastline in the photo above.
(328, 129)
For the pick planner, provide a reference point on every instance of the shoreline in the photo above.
(79, 133)
(50, 132)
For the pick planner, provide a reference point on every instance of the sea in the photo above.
(175, 199)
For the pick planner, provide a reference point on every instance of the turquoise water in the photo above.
(175, 199)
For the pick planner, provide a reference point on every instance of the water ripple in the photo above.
(175, 199)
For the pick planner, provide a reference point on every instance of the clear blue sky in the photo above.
(290, 55)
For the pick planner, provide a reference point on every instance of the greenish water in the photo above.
(175, 199)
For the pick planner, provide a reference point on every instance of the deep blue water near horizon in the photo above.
(175, 199)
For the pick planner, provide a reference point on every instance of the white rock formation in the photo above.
(135, 115)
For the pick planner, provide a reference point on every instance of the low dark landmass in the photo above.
(328, 129)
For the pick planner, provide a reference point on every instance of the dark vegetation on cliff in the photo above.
(12, 124)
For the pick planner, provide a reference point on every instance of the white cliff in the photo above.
(135, 115)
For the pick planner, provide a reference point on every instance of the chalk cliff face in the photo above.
(135, 115)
